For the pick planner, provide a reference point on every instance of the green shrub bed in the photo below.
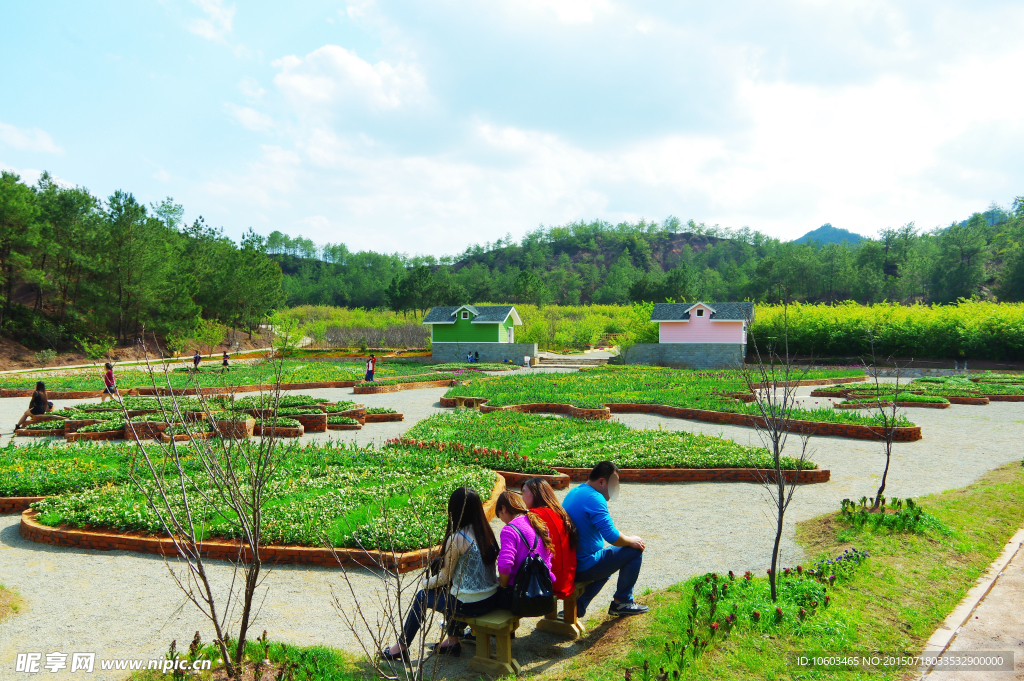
(103, 426)
(646, 385)
(475, 366)
(380, 410)
(318, 493)
(341, 421)
(536, 441)
(41, 469)
(45, 425)
(262, 373)
(461, 374)
(279, 422)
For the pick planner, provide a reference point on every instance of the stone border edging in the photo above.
(407, 561)
(872, 405)
(823, 428)
(344, 426)
(95, 435)
(17, 504)
(384, 418)
(651, 475)
(396, 387)
(516, 479)
(1005, 398)
(961, 399)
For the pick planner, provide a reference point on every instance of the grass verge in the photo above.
(893, 603)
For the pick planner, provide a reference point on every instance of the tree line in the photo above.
(600, 263)
(77, 271)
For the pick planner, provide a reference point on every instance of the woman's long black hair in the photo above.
(466, 510)
(41, 390)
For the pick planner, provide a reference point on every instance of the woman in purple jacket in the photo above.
(524, 533)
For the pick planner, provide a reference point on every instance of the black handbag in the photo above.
(532, 594)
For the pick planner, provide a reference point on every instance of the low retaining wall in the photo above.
(368, 389)
(849, 430)
(231, 551)
(875, 405)
(960, 399)
(98, 435)
(344, 426)
(17, 504)
(278, 431)
(702, 475)
(688, 355)
(514, 479)
(489, 352)
(383, 418)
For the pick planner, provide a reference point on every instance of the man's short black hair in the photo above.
(605, 469)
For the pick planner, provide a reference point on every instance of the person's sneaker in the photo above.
(627, 609)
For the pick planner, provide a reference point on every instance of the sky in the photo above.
(424, 127)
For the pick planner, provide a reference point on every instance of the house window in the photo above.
(465, 315)
(700, 312)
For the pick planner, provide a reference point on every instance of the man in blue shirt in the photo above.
(587, 505)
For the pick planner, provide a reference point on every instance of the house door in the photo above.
(511, 334)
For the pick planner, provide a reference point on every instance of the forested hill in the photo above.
(598, 262)
(827, 234)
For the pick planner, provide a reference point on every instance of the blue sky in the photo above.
(422, 127)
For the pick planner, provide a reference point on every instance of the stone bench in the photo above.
(502, 623)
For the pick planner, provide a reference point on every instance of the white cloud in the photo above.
(28, 139)
(566, 11)
(162, 175)
(251, 89)
(250, 118)
(334, 76)
(216, 25)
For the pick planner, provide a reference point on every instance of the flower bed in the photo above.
(343, 423)
(377, 387)
(87, 433)
(595, 390)
(51, 427)
(40, 468)
(381, 415)
(279, 427)
(336, 489)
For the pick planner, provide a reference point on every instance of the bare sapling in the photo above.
(190, 485)
(375, 616)
(887, 413)
(773, 381)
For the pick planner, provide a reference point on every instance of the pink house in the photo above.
(705, 323)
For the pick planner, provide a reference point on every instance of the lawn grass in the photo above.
(892, 604)
(308, 663)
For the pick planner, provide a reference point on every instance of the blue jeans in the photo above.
(450, 608)
(611, 559)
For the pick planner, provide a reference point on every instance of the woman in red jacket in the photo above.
(541, 500)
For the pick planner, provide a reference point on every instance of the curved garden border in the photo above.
(848, 430)
(876, 404)
(100, 540)
(703, 475)
(17, 504)
(395, 387)
(384, 418)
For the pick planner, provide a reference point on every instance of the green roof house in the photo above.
(487, 331)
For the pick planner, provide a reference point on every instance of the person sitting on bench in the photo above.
(540, 498)
(524, 533)
(465, 583)
(587, 505)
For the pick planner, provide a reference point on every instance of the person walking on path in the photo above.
(587, 505)
(371, 366)
(109, 385)
(224, 361)
(37, 406)
(196, 359)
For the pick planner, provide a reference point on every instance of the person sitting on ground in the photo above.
(587, 505)
(109, 385)
(37, 406)
(465, 583)
(524, 534)
(540, 498)
(196, 359)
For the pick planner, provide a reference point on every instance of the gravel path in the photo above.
(120, 604)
